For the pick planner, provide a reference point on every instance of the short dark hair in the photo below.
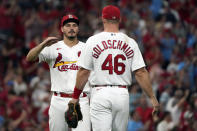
(116, 21)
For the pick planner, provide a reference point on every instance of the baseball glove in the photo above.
(73, 115)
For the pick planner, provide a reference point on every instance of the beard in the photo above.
(71, 37)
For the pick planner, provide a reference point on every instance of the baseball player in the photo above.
(62, 57)
(112, 56)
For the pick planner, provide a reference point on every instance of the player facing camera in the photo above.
(61, 57)
(70, 26)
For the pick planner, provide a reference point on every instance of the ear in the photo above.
(103, 20)
(62, 29)
(120, 20)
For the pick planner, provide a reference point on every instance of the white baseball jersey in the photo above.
(112, 56)
(62, 61)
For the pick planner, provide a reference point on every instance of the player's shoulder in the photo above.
(57, 44)
(129, 39)
(95, 37)
(81, 43)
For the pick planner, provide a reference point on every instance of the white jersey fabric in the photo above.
(62, 61)
(112, 56)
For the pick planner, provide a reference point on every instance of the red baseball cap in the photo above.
(69, 18)
(111, 12)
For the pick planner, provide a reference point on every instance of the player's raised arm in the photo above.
(33, 53)
(143, 79)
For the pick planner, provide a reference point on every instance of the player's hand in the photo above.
(74, 101)
(156, 106)
(49, 41)
(155, 111)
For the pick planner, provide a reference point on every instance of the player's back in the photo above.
(113, 58)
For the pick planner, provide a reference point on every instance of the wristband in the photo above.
(76, 93)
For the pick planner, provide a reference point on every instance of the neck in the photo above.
(69, 42)
(108, 27)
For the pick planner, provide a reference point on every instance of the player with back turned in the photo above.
(62, 57)
(112, 56)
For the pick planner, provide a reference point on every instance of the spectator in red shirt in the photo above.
(145, 113)
(17, 113)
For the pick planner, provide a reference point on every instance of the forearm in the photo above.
(143, 79)
(183, 99)
(16, 122)
(82, 78)
(181, 102)
(33, 53)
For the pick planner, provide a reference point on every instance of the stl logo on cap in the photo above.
(70, 16)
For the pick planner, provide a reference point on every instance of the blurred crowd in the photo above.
(166, 32)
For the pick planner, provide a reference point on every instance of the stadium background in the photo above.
(166, 32)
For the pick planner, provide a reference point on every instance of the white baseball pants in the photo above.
(109, 108)
(58, 107)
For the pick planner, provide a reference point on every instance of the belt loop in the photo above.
(57, 93)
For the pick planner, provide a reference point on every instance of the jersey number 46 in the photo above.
(108, 65)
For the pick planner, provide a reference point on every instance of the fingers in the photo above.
(51, 40)
(155, 111)
(74, 101)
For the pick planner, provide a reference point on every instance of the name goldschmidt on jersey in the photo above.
(113, 44)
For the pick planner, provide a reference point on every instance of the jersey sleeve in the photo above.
(44, 55)
(138, 61)
(86, 59)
